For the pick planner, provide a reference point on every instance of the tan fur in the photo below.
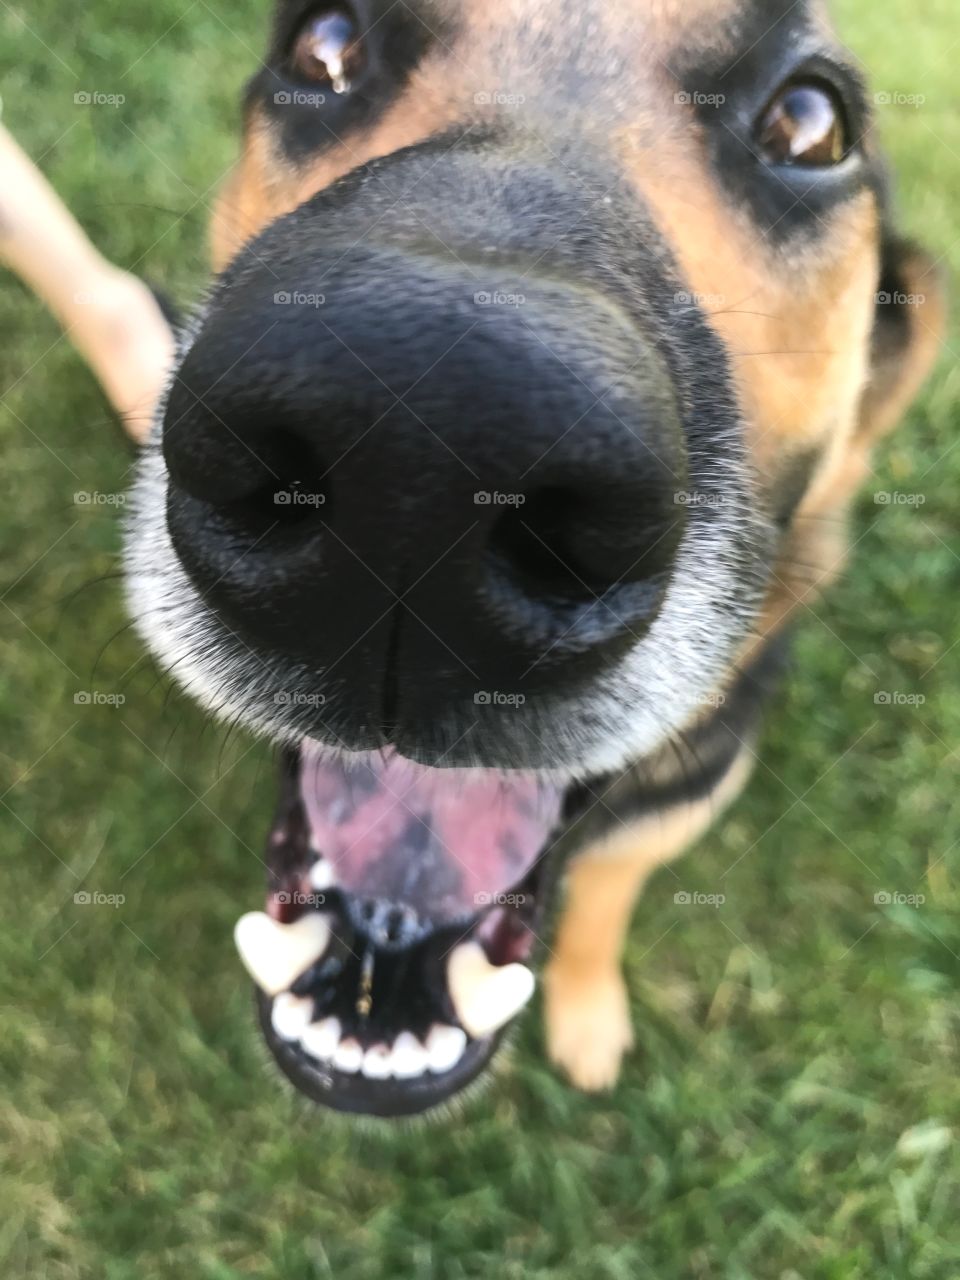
(587, 1015)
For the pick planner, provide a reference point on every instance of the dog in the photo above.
(547, 347)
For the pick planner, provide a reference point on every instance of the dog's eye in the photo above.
(329, 50)
(804, 125)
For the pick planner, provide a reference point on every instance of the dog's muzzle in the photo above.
(434, 482)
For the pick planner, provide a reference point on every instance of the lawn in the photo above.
(792, 1109)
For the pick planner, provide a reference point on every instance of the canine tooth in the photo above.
(321, 876)
(445, 1044)
(291, 1014)
(348, 1057)
(276, 954)
(409, 1058)
(376, 1062)
(320, 1039)
(486, 995)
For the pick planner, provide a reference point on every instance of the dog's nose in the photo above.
(394, 475)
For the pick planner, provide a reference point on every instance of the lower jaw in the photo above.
(355, 1094)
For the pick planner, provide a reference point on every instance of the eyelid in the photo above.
(845, 80)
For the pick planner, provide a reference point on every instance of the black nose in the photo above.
(421, 488)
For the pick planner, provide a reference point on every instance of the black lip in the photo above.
(358, 1095)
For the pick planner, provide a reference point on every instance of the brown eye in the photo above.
(804, 125)
(329, 50)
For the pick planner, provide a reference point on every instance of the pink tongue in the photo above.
(445, 842)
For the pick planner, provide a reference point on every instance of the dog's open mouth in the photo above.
(401, 918)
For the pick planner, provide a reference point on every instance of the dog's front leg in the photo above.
(588, 1022)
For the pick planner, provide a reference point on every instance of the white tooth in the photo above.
(320, 1039)
(486, 995)
(376, 1062)
(445, 1044)
(321, 876)
(409, 1058)
(291, 1014)
(276, 954)
(348, 1057)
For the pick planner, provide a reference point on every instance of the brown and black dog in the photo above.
(547, 349)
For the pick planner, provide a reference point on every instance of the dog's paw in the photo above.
(587, 1025)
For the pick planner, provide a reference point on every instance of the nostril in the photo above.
(283, 502)
(574, 544)
(283, 484)
(530, 538)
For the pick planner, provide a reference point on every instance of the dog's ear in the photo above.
(908, 326)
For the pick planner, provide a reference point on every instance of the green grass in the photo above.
(792, 1109)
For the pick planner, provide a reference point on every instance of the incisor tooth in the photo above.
(276, 954)
(485, 995)
(348, 1057)
(376, 1062)
(320, 1039)
(409, 1057)
(291, 1014)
